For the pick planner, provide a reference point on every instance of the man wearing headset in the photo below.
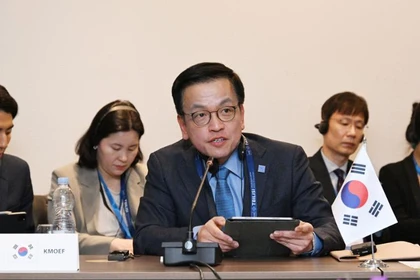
(270, 179)
(344, 117)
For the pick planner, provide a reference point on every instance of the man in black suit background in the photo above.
(263, 177)
(16, 193)
(344, 117)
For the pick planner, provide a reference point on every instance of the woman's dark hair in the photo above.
(412, 134)
(202, 73)
(116, 116)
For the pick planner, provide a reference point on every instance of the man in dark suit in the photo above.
(255, 176)
(16, 193)
(344, 117)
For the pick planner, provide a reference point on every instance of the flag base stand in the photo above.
(372, 263)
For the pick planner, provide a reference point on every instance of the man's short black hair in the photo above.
(346, 103)
(7, 103)
(202, 73)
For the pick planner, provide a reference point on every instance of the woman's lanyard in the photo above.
(250, 162)
(127, 230)
(416, 166)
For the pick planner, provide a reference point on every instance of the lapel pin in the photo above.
(261, 168)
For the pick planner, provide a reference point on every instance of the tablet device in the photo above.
(13, 222)
(253, 236)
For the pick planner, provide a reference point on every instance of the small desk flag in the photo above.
(361, 207)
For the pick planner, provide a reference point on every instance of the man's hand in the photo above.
(211, 232)
(298, 241)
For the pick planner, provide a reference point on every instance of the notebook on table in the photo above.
(391, 251)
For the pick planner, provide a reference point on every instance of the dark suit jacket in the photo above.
(318, 167)
(401, 185)
(287, 188)
(16, 193)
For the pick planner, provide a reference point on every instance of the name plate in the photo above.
(39, 252)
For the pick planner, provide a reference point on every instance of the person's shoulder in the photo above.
(316, 156)
(65, 169)
(14, 161)
(172, 150)
(394, 165)
(140, 168)
(271, 143)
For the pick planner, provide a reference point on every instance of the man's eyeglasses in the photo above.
(203, 117)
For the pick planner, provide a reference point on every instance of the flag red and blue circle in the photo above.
(354, 194)
(23, 251)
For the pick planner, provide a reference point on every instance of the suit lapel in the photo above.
(349, 164)
(90, 196)
(320, 171)
(134, 190)
(187, 172)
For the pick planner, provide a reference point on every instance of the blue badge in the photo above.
(261, 168)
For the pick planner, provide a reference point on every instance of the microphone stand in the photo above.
(190, 244)
(373, 263)
(190, 251)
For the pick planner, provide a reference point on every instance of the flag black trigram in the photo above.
(350, 220)
(358, 168)
(376, 208)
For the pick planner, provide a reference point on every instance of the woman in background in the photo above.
(107, 181)
(401, 183)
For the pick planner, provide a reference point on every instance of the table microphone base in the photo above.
(207, 252)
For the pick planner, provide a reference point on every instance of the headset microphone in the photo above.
(322, 127)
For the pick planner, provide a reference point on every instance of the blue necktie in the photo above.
(223, 196)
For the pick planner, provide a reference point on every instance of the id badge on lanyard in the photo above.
(128, 230)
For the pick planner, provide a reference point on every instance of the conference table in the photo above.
(150, 267)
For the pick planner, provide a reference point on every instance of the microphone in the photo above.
(190, 244)
(190, 251)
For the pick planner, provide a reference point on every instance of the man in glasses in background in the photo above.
(344, 117)
(251, 176)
